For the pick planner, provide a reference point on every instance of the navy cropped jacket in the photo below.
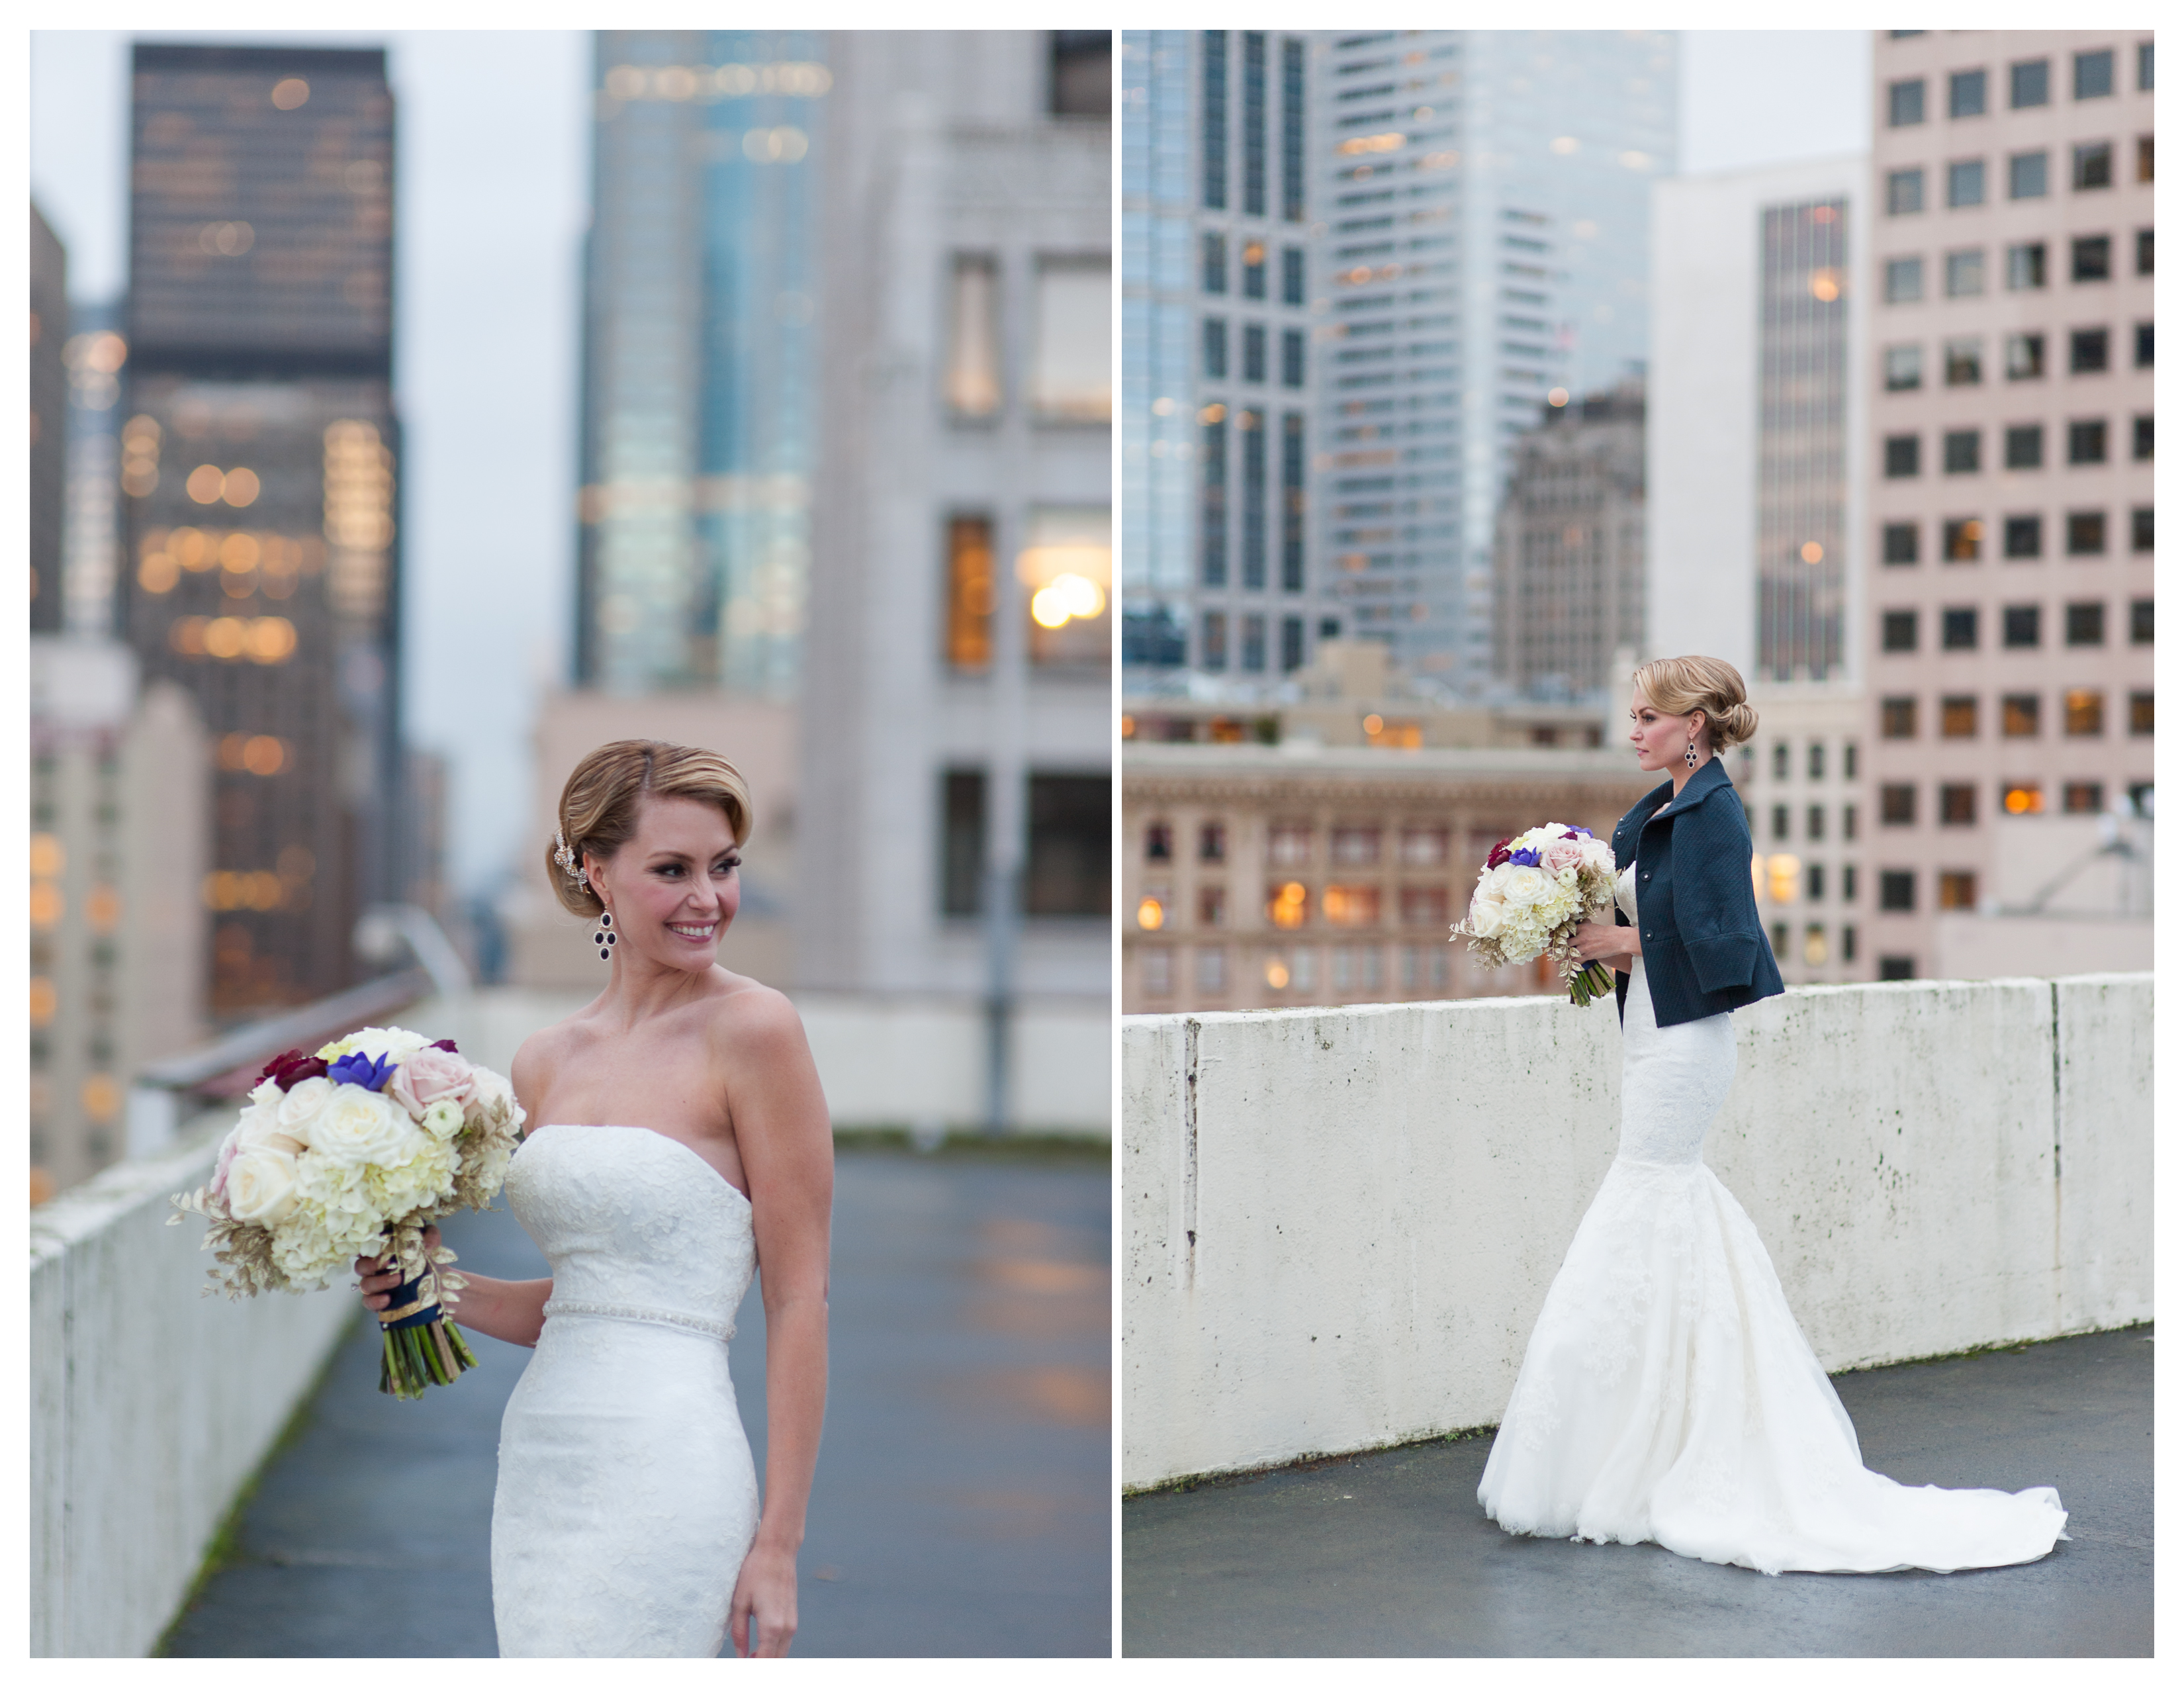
(1698, 921)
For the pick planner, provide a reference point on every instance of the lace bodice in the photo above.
(632, 1219)
(1626, 893)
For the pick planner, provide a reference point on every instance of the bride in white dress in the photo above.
(686, 1146)
(1667, 1394)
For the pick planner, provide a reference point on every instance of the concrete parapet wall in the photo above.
(151, 1405)
(1340, 1224)
(882, 1060)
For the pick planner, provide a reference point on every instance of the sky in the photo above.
(491, 195)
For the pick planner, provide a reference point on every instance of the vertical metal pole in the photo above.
(1006, 781)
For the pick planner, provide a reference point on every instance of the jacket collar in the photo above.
(1708, 775)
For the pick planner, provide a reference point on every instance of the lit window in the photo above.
(2020, 715)
(1066, 572)
(2082, 713)
(970, 616)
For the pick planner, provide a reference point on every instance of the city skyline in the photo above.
(494, 202)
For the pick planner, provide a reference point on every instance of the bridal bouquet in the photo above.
(1533, 894)
(352, 1152)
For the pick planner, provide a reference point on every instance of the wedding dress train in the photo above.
(1668, 1395)
(627, 1499)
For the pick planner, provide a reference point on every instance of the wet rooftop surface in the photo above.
(1389, 1553)
(963, 1500)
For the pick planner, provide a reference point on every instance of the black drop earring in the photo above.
(604, 936)
(1691, 752)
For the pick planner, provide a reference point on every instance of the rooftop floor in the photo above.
(963, 1500)
(1389, 1554)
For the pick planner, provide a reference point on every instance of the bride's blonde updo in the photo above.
(598, 812)
(1677, 685)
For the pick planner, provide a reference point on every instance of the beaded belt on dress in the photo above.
(710, 1327)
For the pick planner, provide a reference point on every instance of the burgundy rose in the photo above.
(1498, 854)
(292, 1068)
(449, 1044)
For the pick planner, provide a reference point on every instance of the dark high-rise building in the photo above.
(48, 422)
(1569, 548)
(258, 467)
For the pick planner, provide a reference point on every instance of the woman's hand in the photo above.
(1598, 941)
(762, 1615)
(380, 1278)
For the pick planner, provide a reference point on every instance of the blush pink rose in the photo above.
(430, 1076)
(1562, 855)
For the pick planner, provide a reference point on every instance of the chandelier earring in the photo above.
(1691, 752)
(604, 935)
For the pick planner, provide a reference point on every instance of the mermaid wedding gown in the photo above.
(1667, 1394)
(627, 1499)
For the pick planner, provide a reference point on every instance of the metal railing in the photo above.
(164, 1092)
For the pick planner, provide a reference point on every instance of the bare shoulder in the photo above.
(750, 1019)
(538, 1056)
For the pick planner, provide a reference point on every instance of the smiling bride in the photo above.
(689, 1149)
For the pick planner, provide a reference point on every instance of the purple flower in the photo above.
(363, 1070)
(1525, 858)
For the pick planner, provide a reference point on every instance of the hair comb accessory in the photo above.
(566, 856)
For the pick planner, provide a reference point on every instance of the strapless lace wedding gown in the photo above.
(1668, 1395)
(627, 1499)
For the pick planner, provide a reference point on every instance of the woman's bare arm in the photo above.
(788, 1151)
(511, 1310)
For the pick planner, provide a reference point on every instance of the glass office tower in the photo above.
(698, 425)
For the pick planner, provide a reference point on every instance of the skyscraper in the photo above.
(2010, 449)
(1469, 213)
(259, 475)
(1483, 199)
(1569, 552)
(1217, 371)
(1755, 517)
(698, 427)
(953, 808)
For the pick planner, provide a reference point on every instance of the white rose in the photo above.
(1488, 915)
(303, 1105)
(260, 1128)
(1522, 886)
(443, 1119)
(267, 1090)
(360, 1128)
(491, 1094)
(261, 1186)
